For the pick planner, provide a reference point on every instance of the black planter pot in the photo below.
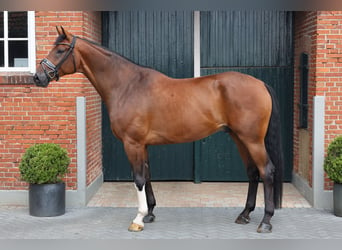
(337, 193)
(46, 200)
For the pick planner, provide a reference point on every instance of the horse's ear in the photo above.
(62, 31)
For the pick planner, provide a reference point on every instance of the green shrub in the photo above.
(333, 160)
(44, 163)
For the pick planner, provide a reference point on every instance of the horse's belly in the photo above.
(182, 133)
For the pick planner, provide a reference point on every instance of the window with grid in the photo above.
(17, 41)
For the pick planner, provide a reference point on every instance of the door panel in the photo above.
(258, 43)
(163, 41)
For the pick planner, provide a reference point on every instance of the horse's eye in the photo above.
(60, 51)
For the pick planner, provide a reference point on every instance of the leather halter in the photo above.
(51, 70)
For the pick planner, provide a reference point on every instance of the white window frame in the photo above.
(31, 45)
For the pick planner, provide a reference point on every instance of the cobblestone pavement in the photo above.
(171, 223)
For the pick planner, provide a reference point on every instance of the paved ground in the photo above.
(171, 223)
(185, 211)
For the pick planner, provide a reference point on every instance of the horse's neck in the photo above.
(108, 72)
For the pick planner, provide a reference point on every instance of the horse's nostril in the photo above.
(35, 78)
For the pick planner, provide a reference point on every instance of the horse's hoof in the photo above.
(264, 228)
(242, 220)
(135, 227)
(149, 218)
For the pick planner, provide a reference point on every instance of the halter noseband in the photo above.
(51, 70)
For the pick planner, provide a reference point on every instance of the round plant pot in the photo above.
(337, 193)
(46, 200)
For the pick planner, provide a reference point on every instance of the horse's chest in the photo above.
(126, 121)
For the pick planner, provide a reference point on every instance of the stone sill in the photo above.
(16, 78)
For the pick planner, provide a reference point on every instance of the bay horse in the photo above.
(147, 107)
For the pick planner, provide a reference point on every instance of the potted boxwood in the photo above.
(43, 166)
(333, 168)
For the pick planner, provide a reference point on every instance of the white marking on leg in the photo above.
(143, 209)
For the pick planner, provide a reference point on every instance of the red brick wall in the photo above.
(329, 72)
(34, 115)
(320, 34)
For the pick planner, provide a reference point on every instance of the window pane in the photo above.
(17, 24)
(2, 54)
(18, 53)
(1, 24)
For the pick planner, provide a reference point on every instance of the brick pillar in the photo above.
(30, 115)
(320, 35)
(329, 73)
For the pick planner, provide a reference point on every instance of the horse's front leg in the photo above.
(151, 201)
(137, 155)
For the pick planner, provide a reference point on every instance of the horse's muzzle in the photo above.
(40, 81)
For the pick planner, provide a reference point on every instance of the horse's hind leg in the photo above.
(268, 175)
(253, 176)
(266, 171)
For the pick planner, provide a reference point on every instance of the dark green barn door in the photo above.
(257, 43)
(163, 41)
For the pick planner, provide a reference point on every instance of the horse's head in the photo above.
(60, 61)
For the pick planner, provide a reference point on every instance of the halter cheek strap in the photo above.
(51, 70)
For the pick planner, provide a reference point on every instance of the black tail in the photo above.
(274, 149)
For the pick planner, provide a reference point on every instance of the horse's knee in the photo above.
(252, 173)
(139, 181)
